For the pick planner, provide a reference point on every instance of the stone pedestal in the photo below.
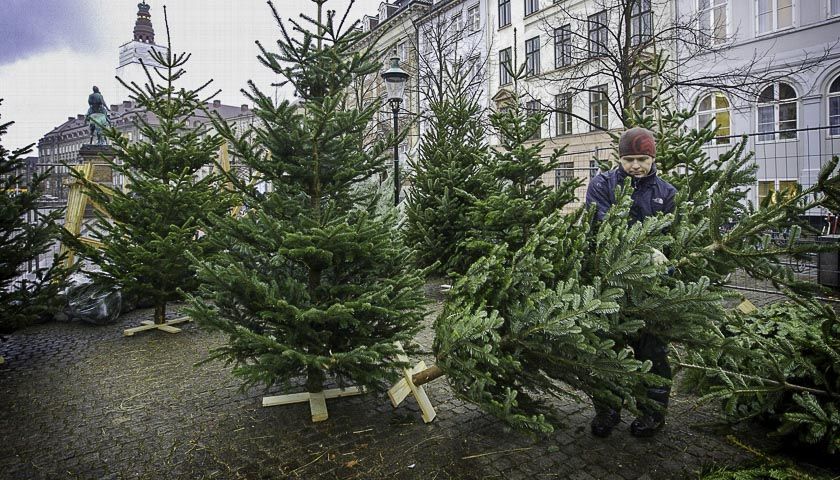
(98, 154)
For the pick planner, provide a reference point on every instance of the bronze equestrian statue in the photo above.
(97, 116)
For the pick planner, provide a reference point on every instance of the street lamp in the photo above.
(395, 78)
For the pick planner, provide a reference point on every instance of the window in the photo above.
(533, 108)
(777, 112)
(774, 188)
(713, 111)
(641, 22)
(594, 168)
(563, 46)
(598, 108)
(642, 93)
(565, 171)
(402, 51)
(772, 15)
(531, 6)
(563, 116)
(473, 19)
(505, 66)
(834, 107)
(597, 34)
(532, 56)
(504, 13)
(713, 24)
(456, 22)
(835, 7)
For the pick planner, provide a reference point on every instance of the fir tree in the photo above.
(514, 199)
(550, 318)
(314, 280)
(448, 174)
(22, 301)
(150, 230)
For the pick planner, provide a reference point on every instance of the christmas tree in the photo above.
(150, 230)
(314, 280)
(552, 317)
(779, 363)
(448, 173)
(514, 198)
(24, 299)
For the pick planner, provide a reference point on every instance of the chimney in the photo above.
(80, 117)
(115, 108)
(70, 118)
(243, 108)
(217, 103)
(126, 104)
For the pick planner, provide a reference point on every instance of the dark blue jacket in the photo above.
(650, 195)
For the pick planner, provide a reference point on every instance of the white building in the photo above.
(792, 119)
(130, 69)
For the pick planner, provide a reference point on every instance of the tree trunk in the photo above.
(426, 376)
(160, 313)
(315, 380)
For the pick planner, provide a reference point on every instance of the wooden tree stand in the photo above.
(412, 384)
(317, 401)
(150, 325)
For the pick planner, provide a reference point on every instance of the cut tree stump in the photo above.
(407, 386)
(317, 401)
(150, 325)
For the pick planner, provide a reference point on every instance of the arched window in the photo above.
(714, 108)
(777, 112)
(834, 107)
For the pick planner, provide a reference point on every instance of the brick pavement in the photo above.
(81, 401)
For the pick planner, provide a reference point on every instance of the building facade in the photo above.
(792, 120)
(393, 32)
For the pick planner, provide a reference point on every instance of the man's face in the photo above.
(637, 165)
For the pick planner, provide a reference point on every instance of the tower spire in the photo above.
(143, 30)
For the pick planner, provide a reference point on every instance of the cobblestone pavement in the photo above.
(80, 401)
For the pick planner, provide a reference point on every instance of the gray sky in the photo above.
(53, 51)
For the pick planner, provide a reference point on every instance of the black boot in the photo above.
(604, 421)
(647, 424)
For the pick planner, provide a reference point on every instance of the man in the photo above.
(651, 194)
(96, 102)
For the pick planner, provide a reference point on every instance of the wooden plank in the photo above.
(74, 213)
(343, 392)
(92, 242)
(401, 390)
(131, 331)
(419, 393)
(178, 320)
(746, 307)
(318, 406)
(285, 399)
(168, 328)
(398, 392)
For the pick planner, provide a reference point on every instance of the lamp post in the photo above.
(395, 78)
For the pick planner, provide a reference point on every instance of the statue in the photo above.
(97, 116)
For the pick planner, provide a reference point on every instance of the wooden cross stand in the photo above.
(317, 401)
(409, 386)
(150, 325)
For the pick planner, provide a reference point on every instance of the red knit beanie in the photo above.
(637, 141)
